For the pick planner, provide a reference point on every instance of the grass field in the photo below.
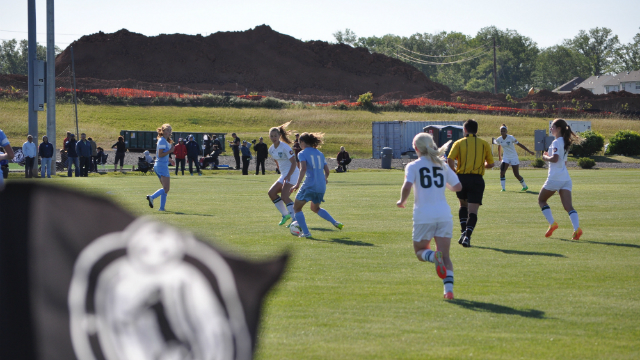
(349, 128)
(361, 294)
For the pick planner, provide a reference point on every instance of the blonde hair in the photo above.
(312, 139)
(161, 132)
(423, 142)
(284, 133)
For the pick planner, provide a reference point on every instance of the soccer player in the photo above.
(558, 178)
(7, 155)
(285, 160)
(431, 214)
(314, 166)
(164, 147)
(473, 156)
(510, 157)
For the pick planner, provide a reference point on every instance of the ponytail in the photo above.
(569, 136)
(161, 132)
(284, 133)
(423, 142)
(312, 139)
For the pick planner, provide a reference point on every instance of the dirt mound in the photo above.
(483, 98)
(259, 59)
(544, 95)
(583, 94)
(396, 95)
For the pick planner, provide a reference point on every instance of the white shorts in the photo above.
(511, 161)
(428, 231)
(294, 177)
(556, 185)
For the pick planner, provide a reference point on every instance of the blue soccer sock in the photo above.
(158, 193)
(163, 200)
(302, 222)
(325, 215)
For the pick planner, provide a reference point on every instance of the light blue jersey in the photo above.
(314, 178)
(164, 145)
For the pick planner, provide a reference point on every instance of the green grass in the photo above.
(360, 293)
(349, 128)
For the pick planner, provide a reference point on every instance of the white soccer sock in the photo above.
(428, 255)
(546, 211)
(448, 282)
(573, 215)
(503, 182)
(290, 209)
(524, 185)
(280, 206)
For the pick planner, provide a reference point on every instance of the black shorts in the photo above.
(472, 188)
(119, 157)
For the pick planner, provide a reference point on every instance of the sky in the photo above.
(548, 22)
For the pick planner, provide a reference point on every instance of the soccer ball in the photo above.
(295, 229)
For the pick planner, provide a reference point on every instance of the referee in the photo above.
(473, 156)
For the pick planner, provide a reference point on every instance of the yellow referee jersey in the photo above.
(471, 154)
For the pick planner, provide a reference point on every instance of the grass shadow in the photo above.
(181, 213)
(344, 241)
(498, 309)
(518, 252)
(603, 243)
(322, 229)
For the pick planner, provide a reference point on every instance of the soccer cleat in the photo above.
(441, 270)
(284, 219)
(304, 235)
(466, 242)
(150, 199)
(200, 174)
(339, 225)
(461, 238)
(503, 190)
(577, 234)
(552, 228)
(448, 296)
(525, 188)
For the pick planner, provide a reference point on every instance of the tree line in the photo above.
(14, 56)
(521, 64)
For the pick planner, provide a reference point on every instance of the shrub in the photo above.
(586, 163)
(366, 100)
(592, 144)
(625, 142)
(537, 163)
(272, 103)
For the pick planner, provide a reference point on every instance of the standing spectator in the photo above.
(180, 152)
(6, 156)
(235, 146)
(83, 148)
(246, 157)
(64, 142)
(30, 155)
(296, 148)
(343, 160)
(72, 155)
(94, 156)
(121, 149)
(262, 152)
(192, 155)
(45, 150)
(473, 156)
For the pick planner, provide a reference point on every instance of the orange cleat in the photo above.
(552, 228)
(577, 234)
(448, 296)
(440, 268)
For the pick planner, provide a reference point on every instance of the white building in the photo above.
(628, 81)
(595, 84)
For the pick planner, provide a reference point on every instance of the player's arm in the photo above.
(553, 159)
(499, 154)
(453, 154)
(524, 148)
(8, 153)
(326, 173)
(453, 183)
(404, 194)
(292, 168)
(165, 152)
(488, 158)
(303, 172)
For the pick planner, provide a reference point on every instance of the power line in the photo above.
(419, 61)
(40, 33)
(439, 56)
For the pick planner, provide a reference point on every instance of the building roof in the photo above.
(569, 85)
(595, 81)
(624, 77)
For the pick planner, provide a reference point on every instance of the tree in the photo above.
(14, 56)
(558, 64)
(627, 57)
(598, 46)
(347, 37)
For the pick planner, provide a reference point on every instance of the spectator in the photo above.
(296, 148)
(94, 156)
(6, 156)
(72, 155)
(83, 148)
(180, 152)
(217, 149)
(246, 157)
(192, 155)
(208, 144)
(64, 142)
(45, 150)
(343, 160)
(30, 154)
(100, 157)
(262, 152)
(121, 149)
(148, 157)
(235, 146)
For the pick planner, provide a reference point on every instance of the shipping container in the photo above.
(399, 135)
(146, 140)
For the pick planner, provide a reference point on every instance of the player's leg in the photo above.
(299, 216)
(503, 174)
(565, 198)
(286, 198)
(471, 223)
(463, 215)
(543, 197)
(444, 244)
(315, 207)
(516, 173)
(273, 193)
(166, 184)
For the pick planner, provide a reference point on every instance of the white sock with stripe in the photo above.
(503, 182)
(546, 211)
(573, 215)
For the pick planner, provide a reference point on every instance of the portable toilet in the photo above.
(434, 130)
(450, 132)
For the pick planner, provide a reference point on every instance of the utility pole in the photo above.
(495, 75)
(75, 95)
(33, 113)
(51, 83)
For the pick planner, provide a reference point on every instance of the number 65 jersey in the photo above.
(429, 180)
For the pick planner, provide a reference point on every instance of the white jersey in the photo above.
(558, 170)
(508, 146)
(281, 155)
(429, 180)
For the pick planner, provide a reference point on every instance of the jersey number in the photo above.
(426, 179)
(313, 162)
